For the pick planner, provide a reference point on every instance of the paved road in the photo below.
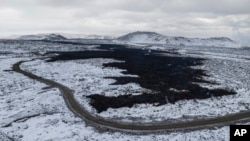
(80, 111)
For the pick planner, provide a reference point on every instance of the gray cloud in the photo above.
(211, 6)
(192, 18)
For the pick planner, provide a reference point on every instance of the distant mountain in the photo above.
(156, 38)
(138, 37)
(42, 37)
(85, 36)
(106, 37)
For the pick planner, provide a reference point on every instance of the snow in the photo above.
(155, 38)
(62, 36)
(61, 124)
(32, 111)
(42, 37)
(139, 37)
(86, 36)
(86, 77)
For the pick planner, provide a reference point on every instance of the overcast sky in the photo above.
(190, 18)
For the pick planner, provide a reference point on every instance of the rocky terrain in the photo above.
(31, 110)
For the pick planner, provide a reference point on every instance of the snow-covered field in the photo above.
(86, 77)
(32, 111)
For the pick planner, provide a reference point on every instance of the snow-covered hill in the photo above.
(63, 36)
(86, 36)
(156, 38)
(139, 38)
(42, 37)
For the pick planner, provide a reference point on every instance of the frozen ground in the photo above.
(31, 111)
(86, 77)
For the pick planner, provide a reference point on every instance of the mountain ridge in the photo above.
(51, 36)
(142, 37)
(145, 37)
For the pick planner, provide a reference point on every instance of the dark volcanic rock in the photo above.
(170, 77)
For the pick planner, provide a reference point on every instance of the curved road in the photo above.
(77, 109)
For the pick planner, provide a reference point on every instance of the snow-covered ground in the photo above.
(31, 111)
(86, 77)
(37, 113)
(26, 47)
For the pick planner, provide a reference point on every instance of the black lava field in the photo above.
(170, 77)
